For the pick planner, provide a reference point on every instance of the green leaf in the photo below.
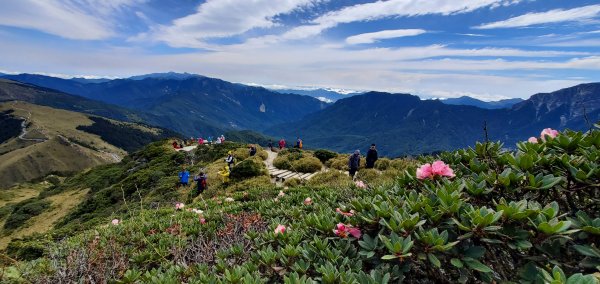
(523, 244)
(581, 279)
(456, 262)
(389, 256)
(587, 250)
(475, 252)
(434, 260)
(476, 265)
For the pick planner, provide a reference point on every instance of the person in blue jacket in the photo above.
(184, 177)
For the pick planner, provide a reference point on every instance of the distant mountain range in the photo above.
(403, 124)
(399, 123)
(167, 75)
(190, 104)
(469, 101)
(325, 95)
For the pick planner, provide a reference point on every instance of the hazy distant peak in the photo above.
(469, 101)
(166, 75)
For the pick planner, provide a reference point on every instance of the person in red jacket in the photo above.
(281, 144)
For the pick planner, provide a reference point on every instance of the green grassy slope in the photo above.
(529, 215)
(60, 141)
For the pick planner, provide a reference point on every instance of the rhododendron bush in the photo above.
(478, 215)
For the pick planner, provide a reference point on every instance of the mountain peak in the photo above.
(166, 75)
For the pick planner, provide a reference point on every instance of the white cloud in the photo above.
(386, 34)
(223, 18)
(324, 99)
(383, 9)
(552, 16)
(87, 20)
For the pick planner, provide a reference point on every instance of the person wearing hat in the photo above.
(371, 157)
(354, 163)
(230, 160)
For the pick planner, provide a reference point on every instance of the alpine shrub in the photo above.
(325, 155)
(246, 169)
(383, 164)
(307, 165)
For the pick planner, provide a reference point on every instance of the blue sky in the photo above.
(488, 49)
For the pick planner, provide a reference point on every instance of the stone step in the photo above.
(277, 172)
(284, 173)
(295, 175)
(303, 176)
(288, 175)
(311, 175)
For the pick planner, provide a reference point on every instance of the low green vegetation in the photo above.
(488, 215)
(298, 161)
(325, 155)
(11, 126)
(248, 168)
(125, 136)
(23, 211)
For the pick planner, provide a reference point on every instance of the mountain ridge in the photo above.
(466, 100)
(209, 106)
(402, 124)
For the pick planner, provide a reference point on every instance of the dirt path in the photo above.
(24, 130)
(271, 158)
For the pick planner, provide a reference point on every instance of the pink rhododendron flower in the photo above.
(532, 140)
(347, 214)
(202, 221)
(360, 184)
(424, 171)
(343, 230)
(437, 168)
(179, 206)
(115, 222)
(441, 169)
(281, 193)
(548, 132)
(308, 201)
(280, 229)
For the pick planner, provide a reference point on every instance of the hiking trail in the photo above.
(282, 175)
(24, 123)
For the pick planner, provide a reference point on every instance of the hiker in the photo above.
(175, 145)
(200, 180)
(180, 144)
(210, 140)
(371, 157)
(270, 145)
(299, 143)
(230, 160)
(222, 138)
(281, 144)
(200, 141)
(225, 174)
(184, 177)
(218, 140)
(354, 163)
(252, 150)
